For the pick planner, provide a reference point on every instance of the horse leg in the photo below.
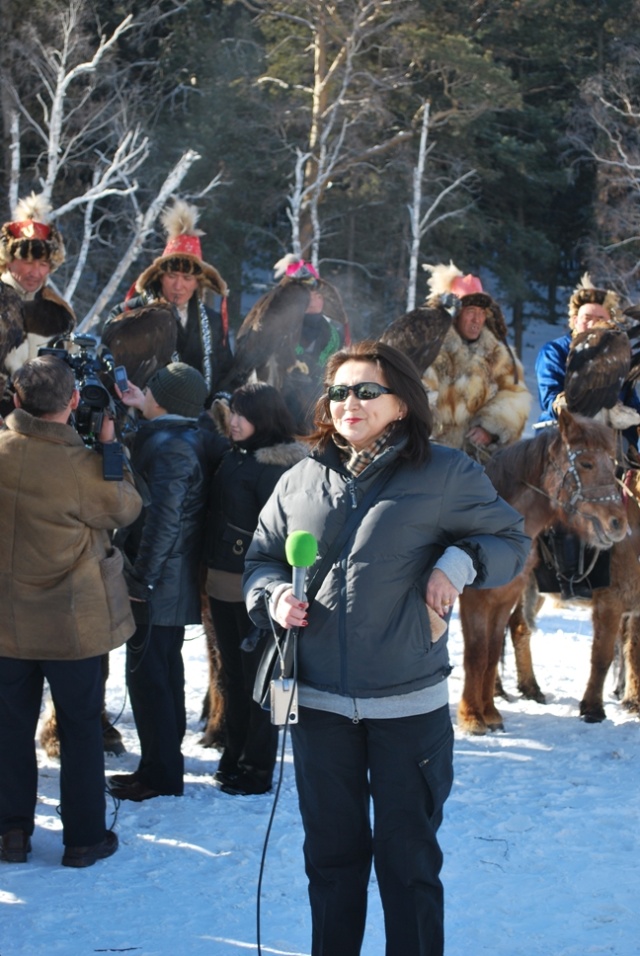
(49, 739)
(470, 708)
(521, 626)
(619, 668)
(112, 738)
(606, 621)
(483, 630)
(213, 703)
(495, 643)
(631, 699)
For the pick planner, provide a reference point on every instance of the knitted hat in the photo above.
(183, 251)
(585, 293)
(29, 236)
(180, 389)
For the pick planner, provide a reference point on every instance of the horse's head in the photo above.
(581, 479)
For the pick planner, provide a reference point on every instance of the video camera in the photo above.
(89, 362)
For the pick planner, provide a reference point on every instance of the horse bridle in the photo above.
(578, 495)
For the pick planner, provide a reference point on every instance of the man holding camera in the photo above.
(63, 604)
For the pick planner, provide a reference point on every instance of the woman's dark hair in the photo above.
(402, 377)
(265, 408)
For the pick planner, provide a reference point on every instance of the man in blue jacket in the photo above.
(567, 566)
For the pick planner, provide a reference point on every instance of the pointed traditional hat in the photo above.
(30, 235)
(183, 251)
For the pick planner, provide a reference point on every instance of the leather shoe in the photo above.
(16, 844)
(138, 791)
(245, 784)
(80, 856)
(123, 779)
(222, 779)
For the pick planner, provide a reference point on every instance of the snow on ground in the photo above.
(541, 839)
(541, 836)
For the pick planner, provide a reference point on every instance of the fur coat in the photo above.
(475, 383)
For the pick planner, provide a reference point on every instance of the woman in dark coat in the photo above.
(374, 723)
(263, 448)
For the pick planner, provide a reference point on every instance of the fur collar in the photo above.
(287, 454)
(25, 424)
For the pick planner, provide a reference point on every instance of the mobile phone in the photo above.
(120, 375)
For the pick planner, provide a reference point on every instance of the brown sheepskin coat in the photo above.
(474, 383)
(62, 593)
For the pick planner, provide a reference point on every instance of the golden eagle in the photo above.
(598, 364)
(420, 332)
(143, 340)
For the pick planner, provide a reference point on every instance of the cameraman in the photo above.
(63, 603)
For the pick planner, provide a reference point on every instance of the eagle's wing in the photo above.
(419, 334)
(143, 340)
(267, 339)
(11, 322)
(597, 366)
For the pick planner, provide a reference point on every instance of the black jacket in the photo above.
(175, 459)
(241, 487)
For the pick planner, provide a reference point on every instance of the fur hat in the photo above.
(30, 236)
(180, 389)
(585, 293)
(468, 288)
(183, 251)
(448, 278)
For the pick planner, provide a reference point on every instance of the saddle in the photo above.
(569, 567)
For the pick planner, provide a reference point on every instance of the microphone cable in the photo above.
(265, 845)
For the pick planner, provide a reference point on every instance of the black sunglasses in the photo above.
(363, 391)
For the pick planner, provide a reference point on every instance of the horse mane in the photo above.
(525, 459)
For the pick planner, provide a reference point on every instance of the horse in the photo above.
(566, 475)
(615, 615)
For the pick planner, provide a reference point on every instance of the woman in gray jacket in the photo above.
(374, 718)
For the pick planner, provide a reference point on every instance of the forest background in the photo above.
(373, 136)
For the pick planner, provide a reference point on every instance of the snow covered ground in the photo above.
(541, 839)
(541, 836)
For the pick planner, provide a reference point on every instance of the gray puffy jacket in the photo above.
(368, 633)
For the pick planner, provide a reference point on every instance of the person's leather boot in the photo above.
(15, 846)
(81, 856)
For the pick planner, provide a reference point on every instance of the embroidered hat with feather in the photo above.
(182, 252)
(268, 339)
(30, 235)
(468, 288)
